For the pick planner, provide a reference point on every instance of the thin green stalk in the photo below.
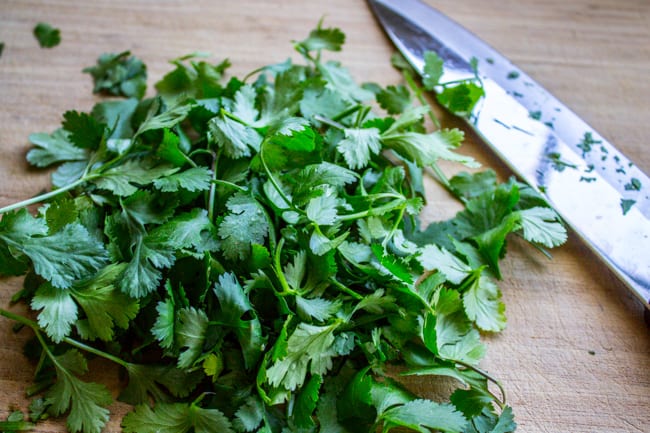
(501, 402)
(417, 90)
(277, 269)
(43, 197)
(373, 211)
(275, 183)
(442, 178)
(213, 187)
(229, 184)
(345, 113)
(345, 289)
(329, 122)
(393, 229)
(38, 332)
(100, 353)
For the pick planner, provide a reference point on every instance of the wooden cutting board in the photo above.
(576, 354)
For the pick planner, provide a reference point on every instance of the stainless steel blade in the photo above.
(599, 192)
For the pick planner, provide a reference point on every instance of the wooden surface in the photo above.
(576, 354)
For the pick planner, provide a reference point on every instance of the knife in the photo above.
(600, 193)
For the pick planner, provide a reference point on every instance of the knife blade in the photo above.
(598, 191)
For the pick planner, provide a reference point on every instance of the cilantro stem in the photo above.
(275, 183)
(345, 289)
(18, 318)
(345, 113)
(277, 270)
(502, 401)
(393, 229)
(229, 184)
(417, 90)
(213, 187)
(441, 177)
(43, 197)
(329, 122)
(37, 331)
(379, 210)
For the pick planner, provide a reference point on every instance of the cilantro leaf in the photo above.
(322, 39)
(119, 74)
(198, 79)
(234, 305)
(319, 309)
(450, 334)
(323, 209)
(425, 149)
(322, 101)
(249, 416)
(541, 225)
(339, 80)
(176, 418)
(192, 179)
(161, 116)
(437, 258)
(488, 422)
(53, 148)
(46, 35)
(122, 179)
(140, 277)
(483, 305)
(15, 228)
(156, 381)
(190, 332)
(62, 257)
(394, 99)
(244, 226)
(424, 415)
(163, 328)
(86, 401)
(433, 70)
(306, 402)
(105, 306)
(462, 98)
(310, 350)
(188, 230)
(236, 139)
(59, 311)
(85, 131)
(359, 145)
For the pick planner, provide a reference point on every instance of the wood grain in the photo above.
(576, 355)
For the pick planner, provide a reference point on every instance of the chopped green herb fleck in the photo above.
(558, 163)
(626, 205)
(47, 35)
(587, 143)
(633, 185)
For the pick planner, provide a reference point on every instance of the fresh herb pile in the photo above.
(249, 252)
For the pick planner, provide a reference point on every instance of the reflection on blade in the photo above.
(597, 190)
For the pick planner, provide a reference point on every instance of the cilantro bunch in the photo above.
(249, 252)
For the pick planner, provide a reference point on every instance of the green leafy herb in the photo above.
(250, 253)
(119, 74)
(46, 35)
